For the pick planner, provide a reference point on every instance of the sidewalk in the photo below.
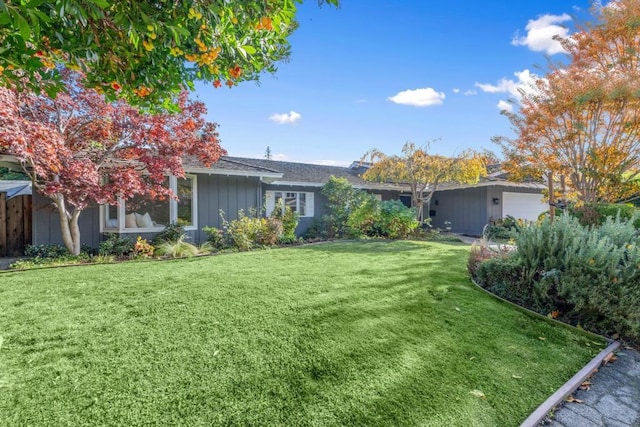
(612, 399)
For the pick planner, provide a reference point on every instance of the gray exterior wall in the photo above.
(466, 210)
(470, 209)
(46, 224)
(229, 193)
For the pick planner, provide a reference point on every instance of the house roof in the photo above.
(307, 174)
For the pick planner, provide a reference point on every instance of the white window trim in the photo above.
(173, 211)
(309, 200)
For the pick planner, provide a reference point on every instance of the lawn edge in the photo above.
(569, 387)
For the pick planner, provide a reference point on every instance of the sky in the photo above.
(374, 74)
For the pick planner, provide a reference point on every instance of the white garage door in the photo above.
(523, 205)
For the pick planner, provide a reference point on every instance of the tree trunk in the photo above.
(68, 226)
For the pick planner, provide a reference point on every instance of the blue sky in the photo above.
(379, 73)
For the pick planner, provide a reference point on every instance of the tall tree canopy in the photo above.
(145, 52)
(422, 171)
(582, 120)
(81, 150)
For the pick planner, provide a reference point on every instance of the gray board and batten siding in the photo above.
(469, 209)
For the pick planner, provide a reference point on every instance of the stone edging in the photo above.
(574, 382)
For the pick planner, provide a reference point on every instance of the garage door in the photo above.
(523, 205)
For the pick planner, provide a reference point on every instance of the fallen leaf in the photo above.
(472, 357)
(457, 309)
(585, 386)
(615, 336)
(572, 399)
(478, 394)
(516, 376)
(541, 338)
(610, 358)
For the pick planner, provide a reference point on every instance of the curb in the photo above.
(574, 382)
(569, 387)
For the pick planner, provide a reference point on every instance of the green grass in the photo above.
(373, 333)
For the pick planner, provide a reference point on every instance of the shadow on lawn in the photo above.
(373, 246)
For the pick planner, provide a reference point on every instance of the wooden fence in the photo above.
(15, 224)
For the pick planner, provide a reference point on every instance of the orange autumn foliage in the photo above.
(582, 120)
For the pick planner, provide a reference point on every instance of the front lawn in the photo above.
(370, 333)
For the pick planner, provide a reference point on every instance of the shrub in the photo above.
(171, 233)
(316, 231)
(289, 220)
(595, 214)
(502, 229)
(395, 220)
(270, 231)
(215, 237)
(142, 248)
(341, 199)
(591, 275)
(364, 217)
(248, 230)
(177, 248)
(116, 245)
(45, 251)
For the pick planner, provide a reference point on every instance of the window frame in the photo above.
(173, 211)
(308, 202)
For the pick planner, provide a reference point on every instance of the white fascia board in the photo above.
(265, 176)
(360, 187)
(532, 185)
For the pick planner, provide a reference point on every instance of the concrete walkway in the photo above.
(612, 399)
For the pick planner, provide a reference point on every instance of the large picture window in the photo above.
(141, 214)
(298, 201)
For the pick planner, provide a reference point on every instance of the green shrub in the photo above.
(116, 245)
(595, 214)
(395, 220)
(171, 233)
(341, 198)
(503, 229)
(215, 237)
(316, 231)
(363, 218)
(45, 251)
(502, 275)
(289, 220)
(249, 231)
(590, 275)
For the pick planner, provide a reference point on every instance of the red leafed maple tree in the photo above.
(80, 150)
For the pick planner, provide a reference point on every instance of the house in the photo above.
(235, 183)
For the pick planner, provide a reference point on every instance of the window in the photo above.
(299, 202)
(143, 214)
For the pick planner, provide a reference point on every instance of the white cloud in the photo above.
(524, 82)
(361, 101)
(505, 106)
(456, 90)
(424, 97)
(540, 34)
(285, 118)
(280, 157)
(470, 92)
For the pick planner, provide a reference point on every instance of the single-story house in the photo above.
(235, 183)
